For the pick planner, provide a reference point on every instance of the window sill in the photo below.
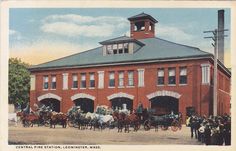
(53, 89)
(121, 87)
(205, 83)
(111, 87)
(161, 85)
(82, 88)
(91, 87)
(172, 85)
(183, 84)
(74, 88)
(129, 86)
(45, 89)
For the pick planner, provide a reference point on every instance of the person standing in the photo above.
(193, 125)
(140, 110)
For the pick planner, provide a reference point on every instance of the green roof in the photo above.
(153, 49)
(121, 39)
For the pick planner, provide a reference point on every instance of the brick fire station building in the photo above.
(163, 75)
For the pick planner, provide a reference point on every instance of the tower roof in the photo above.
(142, 16)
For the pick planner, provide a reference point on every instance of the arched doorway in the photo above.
(117, 103)
(53, 103)
(165, 105)
(86, 105)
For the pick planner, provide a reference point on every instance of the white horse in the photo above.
(12, 118)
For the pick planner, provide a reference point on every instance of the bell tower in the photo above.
(142, 26)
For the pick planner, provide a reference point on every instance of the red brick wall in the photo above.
(193, 94)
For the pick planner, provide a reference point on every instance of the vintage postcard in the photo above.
(137, 75)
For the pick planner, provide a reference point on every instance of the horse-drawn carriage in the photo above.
(174, 121)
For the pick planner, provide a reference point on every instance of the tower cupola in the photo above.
(142, 26)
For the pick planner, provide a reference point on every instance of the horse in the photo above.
(119, 119)
(132, 120)
(30, 119)
(58, 118)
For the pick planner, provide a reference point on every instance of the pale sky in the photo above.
(40, 35)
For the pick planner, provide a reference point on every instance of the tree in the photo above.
(19, 82)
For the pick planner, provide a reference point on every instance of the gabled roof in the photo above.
(141, 16)
(121, 39)
(154, 49)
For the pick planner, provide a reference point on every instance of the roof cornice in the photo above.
(123, 63)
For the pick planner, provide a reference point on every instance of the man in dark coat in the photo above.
(193, 125)
(140, 110)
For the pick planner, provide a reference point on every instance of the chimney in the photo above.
(221, 35)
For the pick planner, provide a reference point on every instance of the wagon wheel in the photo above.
(180, 126)
(164, 127)
(71, 124)
(27, 123)
(47, 123)
(138, 127)
(147, 125)
(174, 126)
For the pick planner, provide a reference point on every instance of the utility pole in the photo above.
(215, 38)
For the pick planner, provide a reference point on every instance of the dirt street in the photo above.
(46, 135)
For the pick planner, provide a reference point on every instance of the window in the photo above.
(205, 74)
(120, 48)
(83, 80)
(131, 78)
(171, 76)
(54, 82)
(160, 77)
(65, 81)
(126, 49)
(45, 82)
(100, 79)
(115, 49)
(75, 81)
(140, 77)
(121, 79)
(112, 79)
(183, 75)
(139, 26)
(109, 49)
(92, 80)
(32, 82)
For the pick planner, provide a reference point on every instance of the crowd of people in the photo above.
(212, 130)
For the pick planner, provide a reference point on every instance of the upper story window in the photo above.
(183, 75)
(91, 80)
(141, 77)
(112, 79)
(121, 79)
(139, 26)
(120, 48)
(160, 76)
(45, 82)
(75, 81)
(126, 47)
(83, 80)
(54, 84)
(205, 73)
(109, 49)
(171, 79)
(114, 47)
(130, 78)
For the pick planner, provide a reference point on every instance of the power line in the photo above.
(215, 38)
